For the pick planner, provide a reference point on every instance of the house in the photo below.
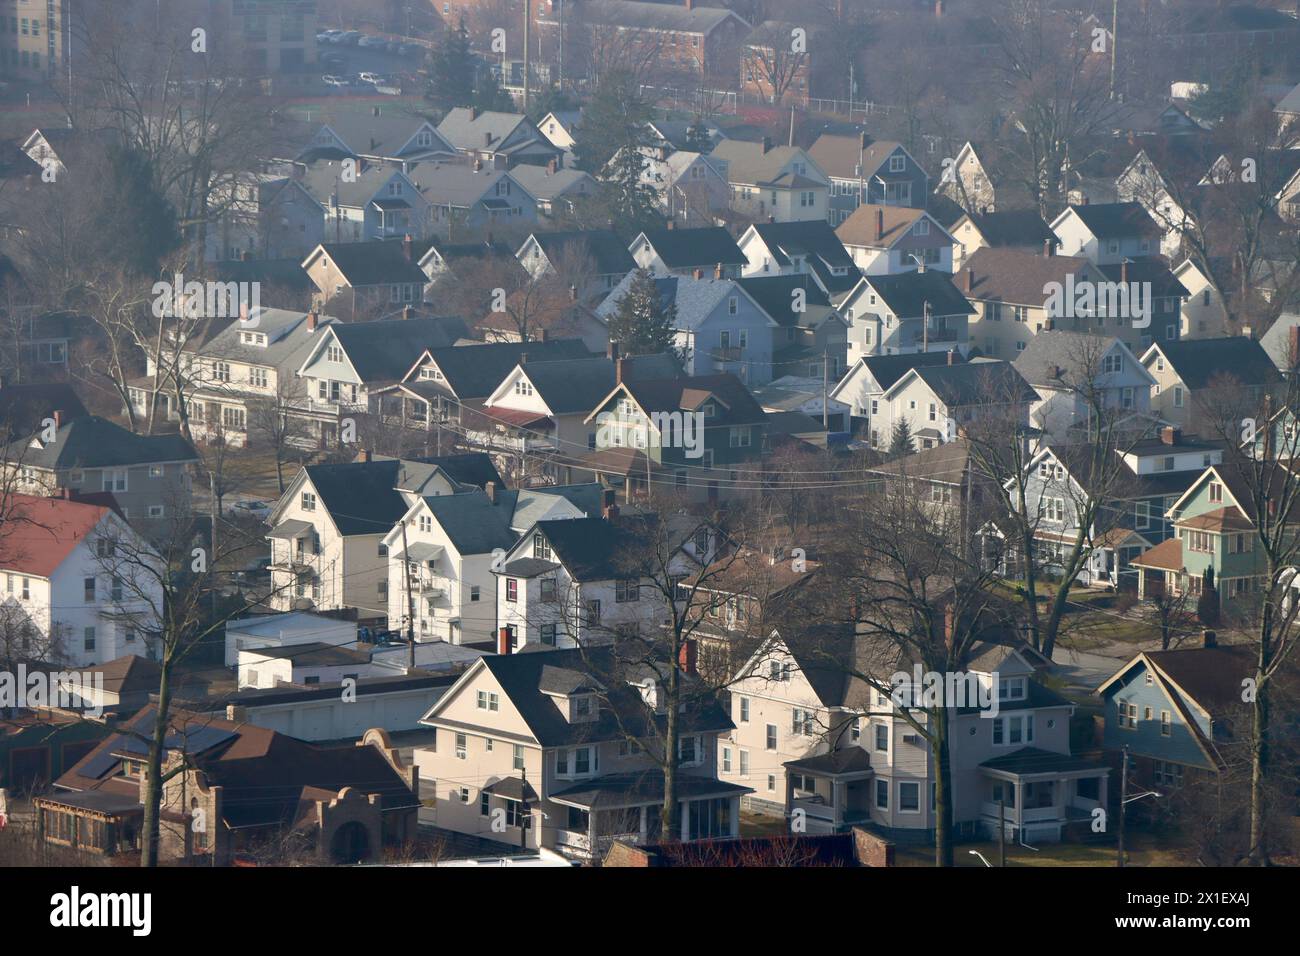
(237, 790)
(563, 734)
(1155, 296)
(1021, 229)
(397, 139)
(122, 686)
(685, 42)
(695, 431)
(37, 747)
(25, 408)
(773, 69)
(538, 412)
(934, 400)
(1012, 290)
(1214, 527)
(442, 384)
(682, 252)
(68, 596)
(331, 201)
(1204, 309)
(811, 337)
(596, 258)
(366, 278)
(676, 134)
(474, 199)
(453, 258)
(970, 183)
(561, 127)
(498, 141)
(1163, 169)
(1107, 233)
(544, 318)
(884, 240)
(773, 183)
(862, 170)
(907, 312)
(350, 362)
(1281, 342)
(285, 631)
(947, 480)
(304, 664)
(328, 528)
(810, 247)
(37, 343)
(444, 550)
(692, 189)
(1174, 712)
(557, 191)
(863, 388)
(720, 328)
(148, 475)
(1193, 377)
(1074, 372)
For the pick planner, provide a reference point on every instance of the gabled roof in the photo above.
(381, 351)
(594, 548)
(908, 293)
(704, 247)
(1211, 676)
(288, 339)
(1199, 362)
(94, 442)
(360, 496)
(603, 246)
(748, 164)
(888, 369)
(688, 393)
(1289, 103)
(474, 524)
(656, 16)
(372, 263)
(40, 533)
(1014, 227)
(815, 240)
(1016, 276)
(695, 299)
(24, 407)
(774, 295)
(473, 130)
(1114, 220)
(845, 157)
(324, 180)
(461, 185)
(973, 383)
(545, 184)
(880, 226)
(946, 464)
(385, 134)
(1060, 358)
(474, 371)
(578, 385)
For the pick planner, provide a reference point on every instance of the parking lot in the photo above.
(346, 62)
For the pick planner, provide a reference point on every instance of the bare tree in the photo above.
(271, 421)
(774, 58)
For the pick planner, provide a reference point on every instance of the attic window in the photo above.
(922, 227)
(1216, 493)
(709, 410)
(897, 164)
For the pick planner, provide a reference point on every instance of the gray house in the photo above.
(498, 140)
(918, 311)
(863, 170)
(719, 325)
(473, 199)
(378, 135)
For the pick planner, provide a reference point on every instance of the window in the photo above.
(1216, 492)
(909, 797)
(548, 591)
(1054, 509)
(488, 701)
(593, 612)
(726, 760)
(1167, 774)
(547, 634)
(517, 757)
(89, 587)
(464, 794)
(771, 737)
(625, 591)
(88, 639)
(308, 501)
(512, 589)
(733, 305)
(1141, 515)
(334, 354)
(1166, 724)
(541, 547)
(1113, 363)
(114, 479)
(744, 710)
(740, 437)
(461, 747)
(882, 737)
(897, 163)
(882, 794)
(1178, 396)
(474, 592)
(257, 377)
(803, 722)
(221, 371)
(233, 417)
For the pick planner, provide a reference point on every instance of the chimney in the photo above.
(245, 256)
(58, 418)
(1209, 639)
(236, 714)
(364, 455)
(952, 356)
(1170, 435)
(687, 657)
(1123, 273)
(311, 321)
(1293, 352)
(690, 4)
(490, 489)
(767, 145)
(503, 640)
(866, 139)
(621, 367)
(573, 292)
(672, 223)
(717, 271)
(698, 273)
(880, 223)
(609, 507)
(478, 164)
(550, 168)
(938, 9)
(1049, 248)
(406, 312)
(611, 350)
(487, 139)
(408, 245)
(473, 113)
(543, 335)
(243, 311)
(966, 280)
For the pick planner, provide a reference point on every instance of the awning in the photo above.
(291, 529)
(641, 789)
(517, 417)
(851, 761)
(1033, 762)
(512, 788)
(420, 551)
(387, 204)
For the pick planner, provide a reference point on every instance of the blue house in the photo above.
(1175, 710)
(720, 326)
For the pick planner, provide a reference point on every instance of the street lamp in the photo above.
(981, 856)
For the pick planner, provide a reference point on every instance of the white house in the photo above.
(276, 632)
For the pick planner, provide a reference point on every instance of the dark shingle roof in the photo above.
(1117, 220)
(977, 382)
(1016, 276)
(1199, 361)
(888, 369)
(907, 294)
(24, 407)
(94, 442)
(594, 549)
(703, 247)
(1211, 675)
(376, 263)
(606, 250)
(1014, 227)
(687, 393)
(474, 371)
(473, 523)
(774, 296)
(359, 495)
(578, 385)
(383, 351)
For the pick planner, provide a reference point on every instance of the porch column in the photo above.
(686, 821)
(1142, 583)
(837, 803)
(735, 817)
(591, 831)
(1018, 814)
(789, 794)
(645, 812)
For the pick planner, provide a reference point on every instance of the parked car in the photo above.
(371, 41)
(374, 78)
(331, 80)
(348, 38)
(251, 509)
(327, 36)
(334, 60)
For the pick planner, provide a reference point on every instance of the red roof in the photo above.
(41, 533)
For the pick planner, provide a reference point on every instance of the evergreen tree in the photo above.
(451, 70)
(644, 323)
(141, 238)
(1207, 605)
(549, 101)
(615, 119)
(697, 136)
(900, 442)
(488, 94)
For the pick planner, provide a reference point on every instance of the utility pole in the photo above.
(925, 326)
(1002, 830)
(410, 604)
(1114, 42)
(1123, 792)
(528, 9)
(826, 384)
(525, 812)
(214, 512)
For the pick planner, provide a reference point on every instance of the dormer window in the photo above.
(922, 227)
(542, 550)
(897, 163)
(1013, 688)
(709, 410)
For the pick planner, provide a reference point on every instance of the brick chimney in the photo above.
(473, 112)
(503, 640)
(967, 280)
(550, 167)
(406, 312)
(622, 365)
(611, 351)
(717, 271)
(671, 223)
(1209, 639)
(688, 657)
(767, 145)
(245, 256)
(880, 223)
(938, 9)
(408, 246)
(608, 504)
(1170, 435)
(1049, 248)
(1123, 273)
(690, 4)
(57, 415)
(490, 489)
(698, 273)
(311, 321)
(364, 455)
(952, 356)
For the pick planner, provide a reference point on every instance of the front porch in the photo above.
(830, 792)
(1036, 793)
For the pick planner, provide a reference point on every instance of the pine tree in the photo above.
(451, 70)
(643, 323)
(1207, 605)
(900, 442)
(697, 136)
(488, 94)
(616, 118)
